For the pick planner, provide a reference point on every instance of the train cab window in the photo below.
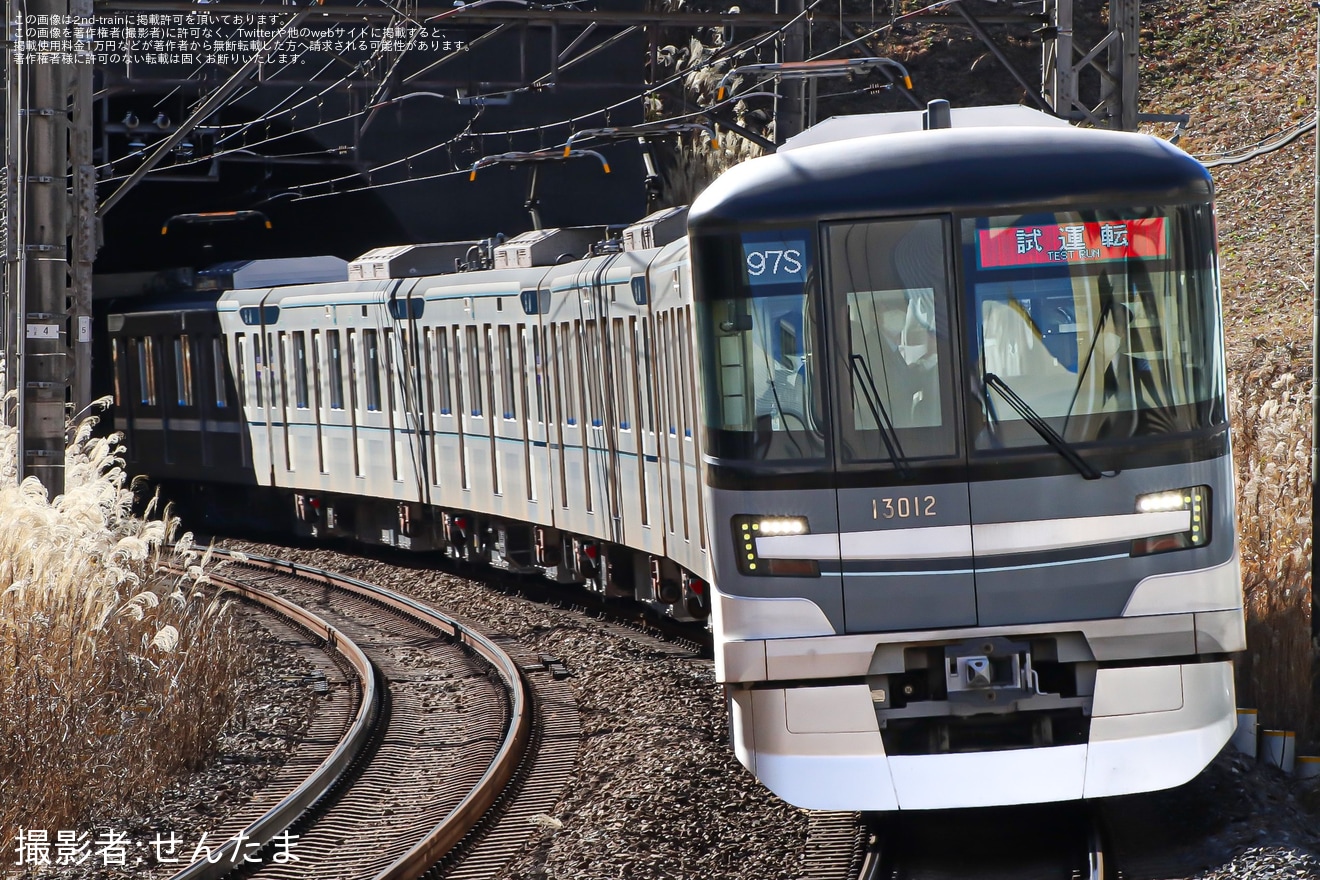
(1101, 323)
(889, 313)
(756, 318)
(371, 356)
(336, 370)
(183, 372)
(300, 369)
(218, 372)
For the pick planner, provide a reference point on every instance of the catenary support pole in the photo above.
(41, 302)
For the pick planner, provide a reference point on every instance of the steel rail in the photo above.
(281, 817)
(461, 820)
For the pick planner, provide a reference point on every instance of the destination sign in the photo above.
(1047, 244)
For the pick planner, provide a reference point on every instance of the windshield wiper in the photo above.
(1048, 434)
(888, 434)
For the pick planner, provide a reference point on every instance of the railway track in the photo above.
(436, 745)
(1038, 842)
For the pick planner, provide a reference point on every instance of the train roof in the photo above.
(953, 169)
(838, 128)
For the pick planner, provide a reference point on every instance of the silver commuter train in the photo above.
(935, 430)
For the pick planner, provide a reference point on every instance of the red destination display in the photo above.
(1048, 244)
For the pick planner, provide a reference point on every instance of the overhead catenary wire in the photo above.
(336, 184)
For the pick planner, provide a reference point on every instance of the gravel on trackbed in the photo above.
(657, 792)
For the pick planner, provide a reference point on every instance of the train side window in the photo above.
(552, 358)
(428, 367)
(371, 354)
(590, 344)
(666, 377)
(391, 367)
(506, 373)
(283, 374)
(240, 361)
(300, 369)
(568, 369)
(146, 371)
(442, 372)
(258, 368)
(117, 362)
(316, 398)
(183, 374)
(274, 366)
(538, 363)
(218, 372)
(645, 374)
(623, 361)
(336, 371)
(354, 361)
(457, 348)
(474, 371)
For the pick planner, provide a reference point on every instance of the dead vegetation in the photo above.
(114, 673)
(1243, 71)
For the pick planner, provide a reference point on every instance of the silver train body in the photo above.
(931, 425)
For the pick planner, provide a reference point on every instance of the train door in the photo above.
(533, 373)
(607, 416)
(282, 377)
(904, 518)
(672, 429)
(623, 359)
(561, 406)
(460, 407)
(407, 354)
(643, 405)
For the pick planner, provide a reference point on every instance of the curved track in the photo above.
(441, 724)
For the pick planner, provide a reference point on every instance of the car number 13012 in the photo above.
(903, 507)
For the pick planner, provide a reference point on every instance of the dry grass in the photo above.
(114, 674)
(1272, 448)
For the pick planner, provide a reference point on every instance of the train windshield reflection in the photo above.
(1105, 324)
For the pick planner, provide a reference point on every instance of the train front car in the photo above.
(968, 468)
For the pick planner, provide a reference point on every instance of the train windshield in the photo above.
(1103, 325)
(889, 309)
(763, 399)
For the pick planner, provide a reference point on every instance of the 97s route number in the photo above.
(786, 261)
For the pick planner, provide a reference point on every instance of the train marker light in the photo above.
(748, 527)
(1195, 500)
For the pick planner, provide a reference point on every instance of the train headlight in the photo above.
(1195, 500)
(747, 528)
